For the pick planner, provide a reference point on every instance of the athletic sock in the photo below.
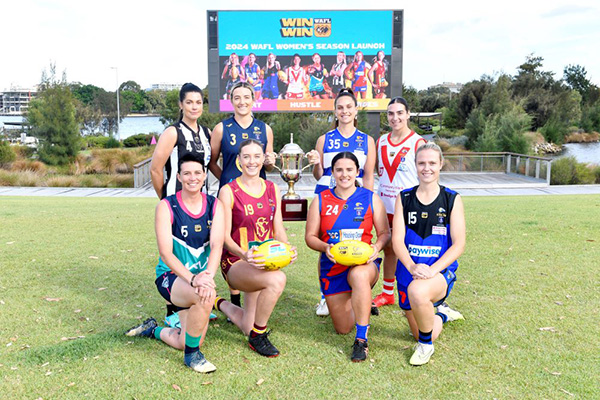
(322, 296)
(157, 331)
(361, 331)
(425, 337)
(444, 317)
(236, 299)
(192, 343)
(388, 286)
(257, 330)
(218, 301)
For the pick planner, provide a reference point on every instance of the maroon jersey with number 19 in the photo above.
(251, 217)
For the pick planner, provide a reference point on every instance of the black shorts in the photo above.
(164, 284)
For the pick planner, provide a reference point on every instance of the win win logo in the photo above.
(305, 27)
(424, 251)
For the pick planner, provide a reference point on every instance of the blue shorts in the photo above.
(403, 301)
(334, 277)
(164, 284)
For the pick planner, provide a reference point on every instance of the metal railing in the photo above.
(510, 163)
(141, 173)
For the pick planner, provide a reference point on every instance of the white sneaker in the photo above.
(452, 315)
(422, 354)
(322, 310)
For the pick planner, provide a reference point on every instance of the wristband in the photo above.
(192, 280)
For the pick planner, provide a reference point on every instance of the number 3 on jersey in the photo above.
(331, 209)
(233, 141)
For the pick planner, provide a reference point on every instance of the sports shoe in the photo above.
(451, 315)
(322, 309)
(422, 354)
(374, 309)
(360, 350)
(384, 299)
(262, 345)
(145, 329)
(198, 362)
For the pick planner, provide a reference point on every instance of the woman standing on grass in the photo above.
(189, 231)
(252, 216)
(347, 212)
(183, 137)
(428, 237)
(344, 137)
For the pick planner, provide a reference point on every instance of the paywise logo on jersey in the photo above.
(424, 251)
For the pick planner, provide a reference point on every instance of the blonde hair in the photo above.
(430, 146)
(242, 85)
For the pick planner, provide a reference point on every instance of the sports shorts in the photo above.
(403, 301)
(334, 277)
(164, 284)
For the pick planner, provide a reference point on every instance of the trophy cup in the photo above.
(293, 208)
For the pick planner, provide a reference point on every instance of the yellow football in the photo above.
(351, 252)
(276, 254)
(282, 76)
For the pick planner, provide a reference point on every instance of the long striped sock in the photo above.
(218, 301)
(361, 331)
(258, 330)
(425, 337)
(388, 286)
(444, 317)
(192, 343)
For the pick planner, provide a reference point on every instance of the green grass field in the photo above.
(77, 272)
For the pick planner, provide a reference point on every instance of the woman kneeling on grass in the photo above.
(189, 231)
(347, 212)
(252, 215)
(428, 238)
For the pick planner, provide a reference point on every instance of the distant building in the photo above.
(16, 100)
(164, 86)
(453, 87)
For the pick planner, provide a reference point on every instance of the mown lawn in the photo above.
(77, 272)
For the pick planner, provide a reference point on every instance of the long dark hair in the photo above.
(185, 89)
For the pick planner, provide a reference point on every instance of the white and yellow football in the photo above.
(351, 252)
(276, 254)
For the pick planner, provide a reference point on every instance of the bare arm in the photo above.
(458, 235)
(398, 236)
(318, 167)
(313, 227)
(217, 238)
(164, 239)
(269, 155)
(369, 178)
(382, 226)
(225, 195)
(215, 150)
(162, 152)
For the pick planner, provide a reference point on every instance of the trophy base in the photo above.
(294, 209)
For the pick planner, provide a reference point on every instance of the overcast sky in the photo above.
(156, 41)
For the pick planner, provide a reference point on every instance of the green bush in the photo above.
(567, 171)
(139, 140)
(112, 143)
(96, 141)
(23, 151)
(7, 154)
(554, 131)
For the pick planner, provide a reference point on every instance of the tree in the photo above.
(52, 117)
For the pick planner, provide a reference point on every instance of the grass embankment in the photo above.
(93, 168)
(76, 273)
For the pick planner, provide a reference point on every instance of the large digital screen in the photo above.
(299, 60)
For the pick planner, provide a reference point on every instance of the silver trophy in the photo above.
(291, 156)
